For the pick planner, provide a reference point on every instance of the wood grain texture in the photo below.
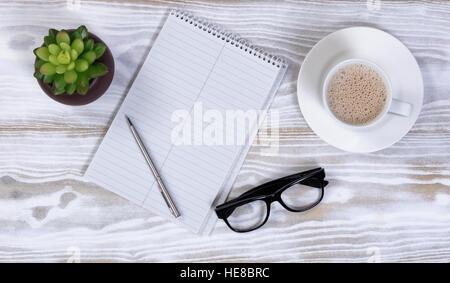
(392, 205)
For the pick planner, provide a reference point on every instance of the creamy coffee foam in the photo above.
(356, 94)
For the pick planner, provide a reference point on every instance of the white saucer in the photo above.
(373, 45)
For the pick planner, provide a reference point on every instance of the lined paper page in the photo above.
(191, 70)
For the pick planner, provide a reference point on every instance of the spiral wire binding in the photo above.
(231, 38)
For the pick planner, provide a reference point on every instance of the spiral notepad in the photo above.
(192, 67)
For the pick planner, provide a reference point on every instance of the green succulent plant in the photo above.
(68, 61)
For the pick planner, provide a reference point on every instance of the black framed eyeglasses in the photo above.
(297, 193)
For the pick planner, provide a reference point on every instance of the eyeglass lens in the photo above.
(248, 216)
(300, 197)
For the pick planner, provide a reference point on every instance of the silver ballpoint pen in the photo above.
(162, 187)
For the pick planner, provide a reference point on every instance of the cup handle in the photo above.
(400, 108)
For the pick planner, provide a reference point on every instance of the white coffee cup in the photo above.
(392, 106)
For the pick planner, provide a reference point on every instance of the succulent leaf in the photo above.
(59, 82)
(75, 35)
(97, 70)
(83, 88)
(58, 91)
(39, 64)
(82, 84)
(64, 57)
(38, 75)
(49, 40)
(73, 54)
(78, 45)
(81, 65)
(71, 66)
(52, 33)
(70, 76)
(91, 72)
(70, 88)
(61, 69)
(64, 46)
(89, 56)
(88, 44)
(48, 79)
(82, 30)
(62, 37)
(99, 49)
(52, 58)
(101, 69)
(42, 53)
(54, 49)
(47, 69)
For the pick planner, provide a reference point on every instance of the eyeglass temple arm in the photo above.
(315, 182)
(319, 172)
(306, 175)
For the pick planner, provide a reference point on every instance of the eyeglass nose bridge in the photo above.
(277, 198)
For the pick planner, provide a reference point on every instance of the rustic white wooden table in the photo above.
(392, 205)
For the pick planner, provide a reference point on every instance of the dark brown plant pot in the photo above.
(97, 86)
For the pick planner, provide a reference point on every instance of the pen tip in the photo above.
(129, 121)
